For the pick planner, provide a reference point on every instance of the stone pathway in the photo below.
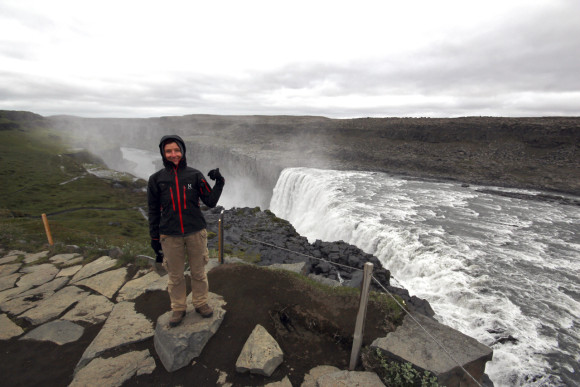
(55, 294)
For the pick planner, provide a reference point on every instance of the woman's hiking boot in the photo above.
(205, 310)
(176, 318)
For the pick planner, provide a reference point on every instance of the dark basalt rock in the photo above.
(262, 238)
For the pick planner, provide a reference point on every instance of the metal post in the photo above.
(221, 238)
(47, 229)
(361, 316)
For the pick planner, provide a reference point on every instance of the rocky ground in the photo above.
(57, 310)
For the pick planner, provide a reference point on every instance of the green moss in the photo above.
(389, 306)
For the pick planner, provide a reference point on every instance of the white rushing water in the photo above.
(492, 267)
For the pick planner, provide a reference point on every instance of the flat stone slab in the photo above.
(37, 275)
(124, 326)
(136, 287)
(59, 332)
(349, 379)
(114, 371)
(8, 329)
(282, 383)
(94, 267)
(22, 299)
(106, 283)
(48, 288)
(177, 346)
(160, 284)
(6, 270)
(69, 271)
(29, 298)
(8, 281)
(65, 258)
(8, 259)
(261, 353)
(30, 258)
(92, 309)
(293, 267)
(12, 256)
(54, 305)
(409, 342)
(316, 372)
(11, 293)
(323, 280)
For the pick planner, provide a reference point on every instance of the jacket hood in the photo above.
(180, 142)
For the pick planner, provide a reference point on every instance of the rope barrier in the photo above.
(389, 293)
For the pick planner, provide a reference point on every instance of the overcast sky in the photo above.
(443, 58)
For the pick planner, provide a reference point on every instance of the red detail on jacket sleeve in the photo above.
(184, 199)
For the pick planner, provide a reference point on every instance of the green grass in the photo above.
(33, 164)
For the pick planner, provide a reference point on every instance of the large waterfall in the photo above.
(502, 270)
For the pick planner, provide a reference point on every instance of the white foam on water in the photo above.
(492, 267)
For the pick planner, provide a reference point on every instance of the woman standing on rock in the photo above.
(177, 226)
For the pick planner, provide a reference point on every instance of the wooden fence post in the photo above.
(221, 238)
(361, 316)
(47, 229)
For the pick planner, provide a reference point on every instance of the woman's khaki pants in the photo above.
(175, 250)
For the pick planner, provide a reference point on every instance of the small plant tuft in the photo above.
(395, 373)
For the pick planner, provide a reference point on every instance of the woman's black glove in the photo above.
(215, 174)
(156, 246)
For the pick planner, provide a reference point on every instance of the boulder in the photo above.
(116, 370)
(261, 354)
(124, 326)
(410, 343)
(6, 270)
(177, 346)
